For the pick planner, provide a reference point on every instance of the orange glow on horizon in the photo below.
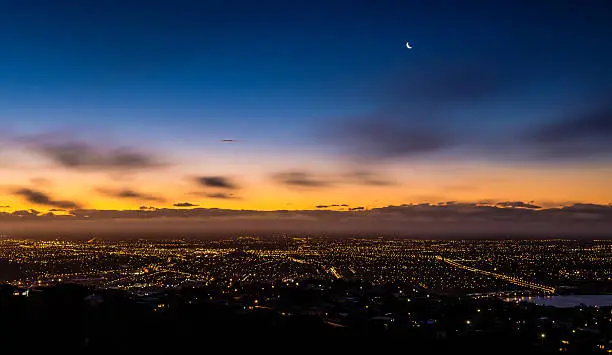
(257, 191)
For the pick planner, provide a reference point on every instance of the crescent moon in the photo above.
(408, 45)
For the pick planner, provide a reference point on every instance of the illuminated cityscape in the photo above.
(546, 295)
(530, 267)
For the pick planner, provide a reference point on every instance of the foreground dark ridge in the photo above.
(311, 315)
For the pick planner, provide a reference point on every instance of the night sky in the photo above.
(113, 105)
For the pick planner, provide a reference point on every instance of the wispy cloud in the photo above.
(425, 113)
(586, 133)
(299, 178)
(221, 195)
(129, 194)
(217, 182)
(41, 198)
(185, 204)
(364, 177)
(80, 155)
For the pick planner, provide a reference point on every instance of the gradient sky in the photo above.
(121, 104)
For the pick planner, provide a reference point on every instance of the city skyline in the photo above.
(530, 295)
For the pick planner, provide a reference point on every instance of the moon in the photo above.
(408, 45)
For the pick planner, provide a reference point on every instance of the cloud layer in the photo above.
(441, 220)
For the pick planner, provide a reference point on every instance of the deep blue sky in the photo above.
(268, 71)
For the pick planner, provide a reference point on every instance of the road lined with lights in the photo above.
(507, 278)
